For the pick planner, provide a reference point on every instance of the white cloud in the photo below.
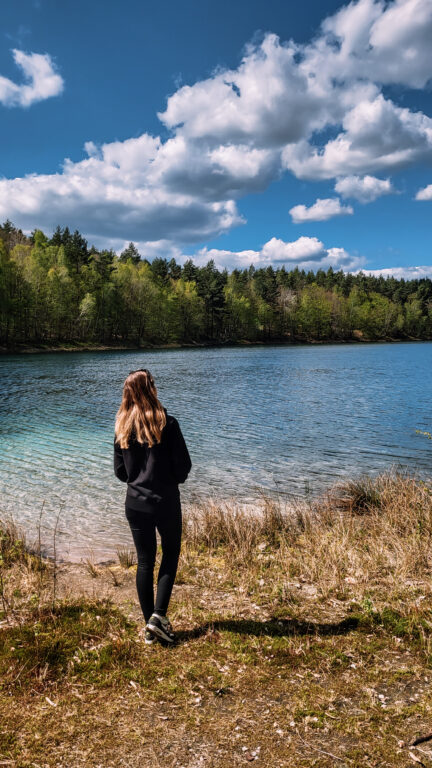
(91, 149)
(377, 135)
(283, 92)
(190, 167)
(384, 42)
(407, 273)
(321, 210)
(365, 189)
(305, 253)
(302, 249)
(266, 101)
(111, 193)
(425, 193)
(401, 43)
(42, 80)
(235, 132)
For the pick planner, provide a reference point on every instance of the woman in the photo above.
(151, 456)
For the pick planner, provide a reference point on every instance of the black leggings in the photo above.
(166, 517)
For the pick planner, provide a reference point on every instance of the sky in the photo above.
(247, 132)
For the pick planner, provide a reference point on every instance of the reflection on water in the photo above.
(281, 418)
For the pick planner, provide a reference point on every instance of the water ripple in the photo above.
(281, 418)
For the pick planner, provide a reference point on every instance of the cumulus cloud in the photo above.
(407, 273)
(384, 42)
(307, 253)
(212, 174)
(400, 43)
(365, 189)
(42, 80)
(321, 210)
(303, 249)
(111, 192)
(282, 94)
(267, 101)
(236, 131)
(425, 193)
(377, 135)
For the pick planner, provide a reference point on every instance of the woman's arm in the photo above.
(179, 453)
(119, 467)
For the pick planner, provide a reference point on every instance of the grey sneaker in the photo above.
(149, 637)
(161, 627)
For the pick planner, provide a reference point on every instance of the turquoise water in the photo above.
(286, 419)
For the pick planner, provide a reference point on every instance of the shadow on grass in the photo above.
(272, 628)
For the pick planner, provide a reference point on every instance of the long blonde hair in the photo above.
(140, 411)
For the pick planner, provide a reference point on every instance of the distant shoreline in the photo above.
(88, 347)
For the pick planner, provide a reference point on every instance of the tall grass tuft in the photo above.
(359, 495)
(126, 557)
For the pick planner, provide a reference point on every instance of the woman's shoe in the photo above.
(161, 627)
(149, 637)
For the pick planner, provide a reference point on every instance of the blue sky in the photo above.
(266, 133)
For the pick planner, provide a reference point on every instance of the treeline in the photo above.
(56, 290)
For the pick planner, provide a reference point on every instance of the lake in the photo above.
(287, 419)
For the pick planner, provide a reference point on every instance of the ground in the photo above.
(300, 642)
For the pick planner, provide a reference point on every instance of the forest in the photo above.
(56, 290)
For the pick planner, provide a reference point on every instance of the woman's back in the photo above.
(153, 471)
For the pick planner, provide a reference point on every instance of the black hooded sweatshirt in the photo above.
(153, 472)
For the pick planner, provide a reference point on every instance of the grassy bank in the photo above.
(304, 639)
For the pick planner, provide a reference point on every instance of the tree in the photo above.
(414, 317)
(132, 253)
(61, 297)
(11, 235)
(190, 271)
(240, 321)
(174, 270)
(75, 247)
(210, 285)
(287, 302)
(87, 312)
(57, 288)
(159, 267)
(188, 310)
(314, 313)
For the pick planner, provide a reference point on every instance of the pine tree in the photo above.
(132, 253)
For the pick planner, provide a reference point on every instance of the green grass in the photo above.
(83, 640)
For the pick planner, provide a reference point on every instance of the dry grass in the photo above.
(216, 524)
(372, 533)
(91, 567)
(126, 557)
(304, 639)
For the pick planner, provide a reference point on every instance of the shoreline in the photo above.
(74, 554)
(88, 347)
